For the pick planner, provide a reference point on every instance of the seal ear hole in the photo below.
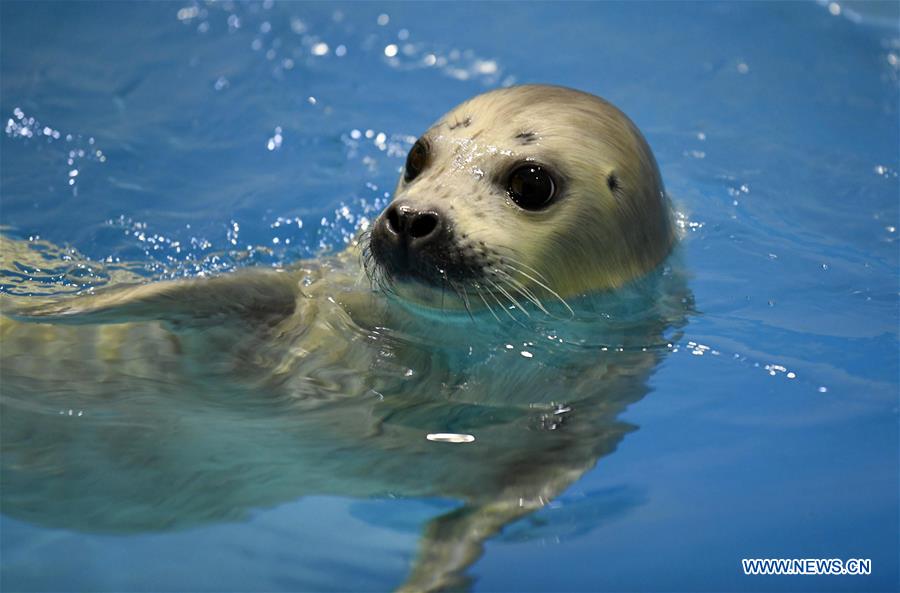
(613, 183)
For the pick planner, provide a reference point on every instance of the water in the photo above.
(769, 427)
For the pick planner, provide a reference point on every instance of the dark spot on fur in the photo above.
(526, 137)
(464, 123)
(613, 183)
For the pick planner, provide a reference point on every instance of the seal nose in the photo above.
(412, 226)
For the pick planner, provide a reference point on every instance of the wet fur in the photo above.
(317, 343)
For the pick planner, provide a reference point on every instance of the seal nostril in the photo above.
(423, 225)
(393, 221)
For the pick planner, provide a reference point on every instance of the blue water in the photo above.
(187, 139)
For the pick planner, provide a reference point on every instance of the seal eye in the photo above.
(531, 187)
(416, 160)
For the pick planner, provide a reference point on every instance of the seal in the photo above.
(159, 406)
(521, 194)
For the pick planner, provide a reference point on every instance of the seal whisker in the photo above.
(505, 258)
(483, 300)
(461, 292)
(545, 287)
(499, 304)
(522, 289)
(383, 282)
(512, 299)
(364, 258)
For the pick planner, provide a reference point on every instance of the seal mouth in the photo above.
(434, 264)
(412, 244)
(417, 255)
(471, 270)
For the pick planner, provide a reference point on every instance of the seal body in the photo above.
(518, 306)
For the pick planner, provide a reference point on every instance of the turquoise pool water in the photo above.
(174, 139)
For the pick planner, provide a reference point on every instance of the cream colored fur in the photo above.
(593, 238)
(359, 378)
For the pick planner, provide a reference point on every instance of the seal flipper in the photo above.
(242, 295)
(454, 541)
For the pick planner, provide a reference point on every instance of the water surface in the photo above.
(167, 140)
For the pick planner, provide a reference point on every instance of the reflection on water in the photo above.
(158, 425)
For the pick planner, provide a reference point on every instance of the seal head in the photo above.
(523, 194)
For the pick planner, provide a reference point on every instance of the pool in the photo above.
(167, 140)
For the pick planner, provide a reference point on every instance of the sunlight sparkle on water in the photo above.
(449, 437)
